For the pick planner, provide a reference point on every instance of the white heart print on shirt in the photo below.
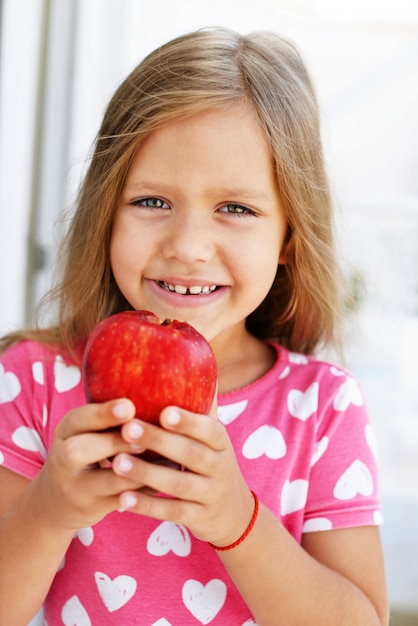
(303, 404)
(284, 373)
(117, 592)
(298, 358)
(204, 601)
(169, 536)
(294, 495)
(335, 371)
(86, 535)
(371, 440)
(38, 372)
(266, 440)
(230, 412)
(320, 448)
(348, 393)
(357, 479)
(28, 439)
(66, 376)
(316, 523)
(44, 416)
(9, 386)
(74, 614)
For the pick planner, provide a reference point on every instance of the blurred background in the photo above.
(60, 62)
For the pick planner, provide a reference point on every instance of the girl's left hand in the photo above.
(210, 498)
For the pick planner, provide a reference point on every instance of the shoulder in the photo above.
(20, 361)
(309, 364)
(293, 370)
(334, 391)
(316, 392)
(28, 351)
(31, 363)
(296, 374)
(302, 367)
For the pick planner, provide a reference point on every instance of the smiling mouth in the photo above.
(195, 290)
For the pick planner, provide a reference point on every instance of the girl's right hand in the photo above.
(76, 487)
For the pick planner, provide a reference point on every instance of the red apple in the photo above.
(155, 364)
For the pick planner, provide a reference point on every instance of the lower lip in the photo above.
(182, 301)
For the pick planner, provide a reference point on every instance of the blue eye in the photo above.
(151, 203)
(236, 209)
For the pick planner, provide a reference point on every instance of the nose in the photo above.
(189, 239)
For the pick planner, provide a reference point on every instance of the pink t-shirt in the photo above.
(304, 444)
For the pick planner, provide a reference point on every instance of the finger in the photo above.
(160, 478)
(186, 438)
(104, 483)
(177, 511)
(98, 493)
(203, 428)
(88, 449)
(182, 448)
(95, 417)
(213, 411)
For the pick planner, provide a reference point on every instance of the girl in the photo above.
(205, 200)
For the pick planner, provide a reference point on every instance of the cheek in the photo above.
(125, 246)
(266, 267)
(261, 257)
(116, 258)
(257, 270)
(124, 268)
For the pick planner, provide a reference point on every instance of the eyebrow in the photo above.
(243, 193)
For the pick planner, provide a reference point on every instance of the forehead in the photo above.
(227, 143)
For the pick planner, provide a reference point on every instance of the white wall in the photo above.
(19, 77)
(363, 56)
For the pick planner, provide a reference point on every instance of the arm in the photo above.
(30, 549)
(39, 518)
(335, 577)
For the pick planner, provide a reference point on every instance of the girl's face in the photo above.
(198, 231)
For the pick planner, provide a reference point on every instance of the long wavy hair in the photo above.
(206, 69)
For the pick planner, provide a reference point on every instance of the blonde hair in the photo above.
(211, 68)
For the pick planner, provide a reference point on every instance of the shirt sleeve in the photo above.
(23, 408)
(343, 487)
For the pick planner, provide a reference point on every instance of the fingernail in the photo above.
(172, 417)
(125, 464)
(128, 500)
(134, 430)
(121, 410)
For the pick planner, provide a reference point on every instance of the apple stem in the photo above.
(166, 322)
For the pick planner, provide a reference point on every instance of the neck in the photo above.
(241, 359)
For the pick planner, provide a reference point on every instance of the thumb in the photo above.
(213, 411)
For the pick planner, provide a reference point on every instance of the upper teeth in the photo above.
(183, 290)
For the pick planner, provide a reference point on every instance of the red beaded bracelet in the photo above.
(245, 533)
